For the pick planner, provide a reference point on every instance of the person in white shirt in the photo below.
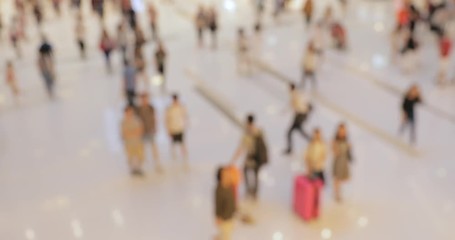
(176, 122)
(316, 156)
(309, 64)
(301, 108)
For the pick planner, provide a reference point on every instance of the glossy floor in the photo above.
(63, 173)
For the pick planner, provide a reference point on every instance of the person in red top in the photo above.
(445, 48)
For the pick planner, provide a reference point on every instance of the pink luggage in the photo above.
(307, 197)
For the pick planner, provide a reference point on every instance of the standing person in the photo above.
(15, 36)
(107, 45)
(153, 18)
(225, 205)
(445, 48)
(80, 34)
(201, 23)
(11, 80)
(122, 40)
(243, 55)
(315, 156)
(342, 154)
(301, 108)
(309, 64)
(160, 63)
(260, 7)
(46, 65)
(129, 82)
(132, 133)
(76, 4)
(411, 99)
(410, 53)
(308, 11)
(38, 12)
(146, 113)
(254, 147)
(212, 21)
(176, 123)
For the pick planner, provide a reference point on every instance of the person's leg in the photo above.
(183, 148)
(300, 121)
(255, 187)
(225, 229)
(247, 180)
(337, 189)
(289, 136)
(412, 125)
(156, 157)
(140, 157)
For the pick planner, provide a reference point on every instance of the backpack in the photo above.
(261, 155)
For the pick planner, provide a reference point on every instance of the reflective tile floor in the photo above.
(63, 173)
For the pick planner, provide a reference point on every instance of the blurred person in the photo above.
(344, 5)
(308, 11)
(15, 36)
(129, 82)
(56, 4)
(225, 205)
(160, 63)
(139, 39)
(176, 123)
(76, 4)
(153, 19)
(212, 22)
(309, 65)
(315, 156)
(339, 35)
(244, 64)
(132, 132)
(98, 8)
(47, 66)
(201, 23)
(411, 99)
(342, 154)
(254, 148)
(146, 113)
(107, 44)
(122, 40)
(279, 7)
(301, 109)
(80, 32)
(410, 53)
(260, 7)
(38, 12)
(445, 49)
(11, 80)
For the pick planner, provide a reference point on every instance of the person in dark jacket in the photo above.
(411, 99)
(225, 205)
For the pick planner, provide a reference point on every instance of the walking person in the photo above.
(132, 132)
(212, 21)
(38, 12)
(342, 154)
(176, 124)
(308, 11)
(309, 65)
(411, 99)
(47, 66)
(225, 205)
(244, 65)
(146, 113)
(80, 32)
(11, 80)
(201, 23)
(129, 82)
(122, 40)
(255, 150)
(301, 109)
(315, 156)
(410, 53)
(107, 44)
(153, 19)
(160, 63)
(15, 36)
(445, 49)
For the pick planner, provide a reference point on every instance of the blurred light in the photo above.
(278, 236)
(30, 234)
(379, 27)
(118, 217)
(378, 61)
(441, 172)
(229, 5)
(326, 233)
(77, 229)
(363, 221)
(157, 80)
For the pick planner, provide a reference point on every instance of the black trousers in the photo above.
(130, 95)
(297, 125)
(410, 122)
(251, 175)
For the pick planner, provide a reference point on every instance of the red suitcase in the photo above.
(307, 197)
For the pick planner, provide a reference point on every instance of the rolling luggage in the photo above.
(307, 197)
